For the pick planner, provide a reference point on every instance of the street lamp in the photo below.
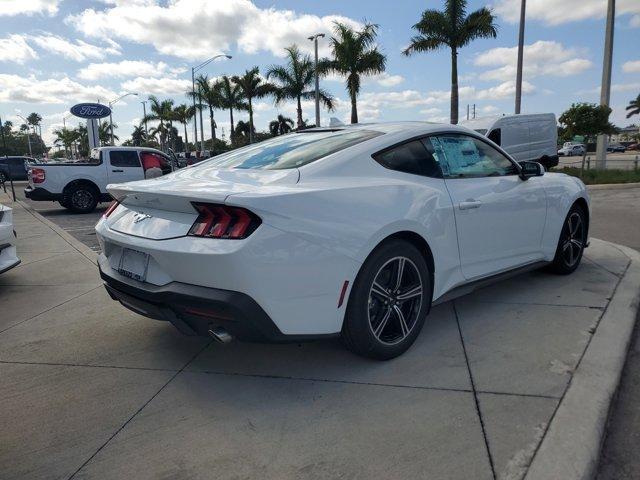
(523, 7)
(314, 39)
(111, 103)
(193, 94)
(28, 136)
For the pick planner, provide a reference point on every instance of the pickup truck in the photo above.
(80, 186)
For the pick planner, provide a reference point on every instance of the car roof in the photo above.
(409, 127)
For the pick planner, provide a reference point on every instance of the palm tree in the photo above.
(454, 29)
(160, 131)
(104, 132)
(183, 113)
(162, 111)
(634, 107)
(280, 125)
(34, 119)
(295, 81)
(252, 86)
(354, 54)
(65, 137)
(230, 98)
(211, 97)
(138, 136)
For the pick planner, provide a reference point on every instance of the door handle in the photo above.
(117, 171)
(469, 204)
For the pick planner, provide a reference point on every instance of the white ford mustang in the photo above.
(354, 231)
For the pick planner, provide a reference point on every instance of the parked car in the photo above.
(531, 137)
(81, 186)
(8, 254)
(571, 150)
(634, 146)
(13, 168)
(616, 147)
(353, 231)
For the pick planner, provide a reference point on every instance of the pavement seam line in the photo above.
(606, 269)
(48, 309)
(123, 426)
(82, 365)
(564, 393)
(475, 392)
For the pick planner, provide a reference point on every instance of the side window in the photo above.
(411, 157)
(495, 136)
(124, 158)
(155, 160)
(469, 157)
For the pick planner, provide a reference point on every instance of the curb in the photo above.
(76, 244)
(613, 186)
(571, 447)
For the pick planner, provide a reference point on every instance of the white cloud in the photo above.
(631, 66)
(157, 85)
(489, 109)
(201, 28)
(125, 68)
(17, 88)
(383, 79)
(547, 58)
(78, 50)
(557, 12)
(14, 48)
(28, 7)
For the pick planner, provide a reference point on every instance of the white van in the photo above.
(531, 137)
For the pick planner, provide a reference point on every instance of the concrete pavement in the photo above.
(91, 390)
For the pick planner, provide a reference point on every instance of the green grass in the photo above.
(592, 176)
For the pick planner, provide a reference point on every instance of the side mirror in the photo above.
(530, 169)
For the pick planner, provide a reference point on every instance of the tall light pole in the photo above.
(523, 7)
(28, 136)
(605, 87)
(314, 39)
(193, 94)
(111, 114)
(144, 117)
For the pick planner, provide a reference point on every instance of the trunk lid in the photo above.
(161, 208)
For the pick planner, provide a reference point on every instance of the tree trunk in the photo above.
(232, 134)
(299, 110)
(454, 86)
(250, 121)
(213, 127)
(186, 139)
(354, 108)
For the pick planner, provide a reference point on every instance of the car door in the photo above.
(124, 166)
(499, 217)
(18, 170)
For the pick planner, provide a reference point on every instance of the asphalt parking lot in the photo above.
(90, 390)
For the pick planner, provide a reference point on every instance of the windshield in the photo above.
(291, 151)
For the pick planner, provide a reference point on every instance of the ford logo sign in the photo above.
(90, 110)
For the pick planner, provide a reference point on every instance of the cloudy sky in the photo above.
(54, 53)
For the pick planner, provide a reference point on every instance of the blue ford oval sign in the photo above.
(90, 110)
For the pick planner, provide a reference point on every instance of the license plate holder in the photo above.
(134, 264)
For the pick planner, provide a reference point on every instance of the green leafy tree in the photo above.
(231, 99)
(587, 119)
(162, 112)
(104, 132)
(211, 97)
(138, 136)
(280, 125)
(354, 53)
(634, 107)
(452, 28)
(295, 81)
(183, 113)
(65, 137)
(252, 86)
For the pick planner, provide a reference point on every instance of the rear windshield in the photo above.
(292, 150)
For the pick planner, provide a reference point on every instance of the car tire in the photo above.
(386, 311)
(573, 238)
(80, 198)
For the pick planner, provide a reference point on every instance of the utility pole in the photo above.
(28, 134)
(523, 7)
(314, 39)
(467, 111)
(474, 111)
(111, 104)
(605, 87)
(195, 119)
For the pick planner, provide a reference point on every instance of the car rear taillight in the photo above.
(112, 206)
(223, 221)
(37, 175)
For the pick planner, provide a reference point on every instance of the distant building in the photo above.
(625, 134)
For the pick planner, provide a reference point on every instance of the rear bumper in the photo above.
(193, 309)
(39, 193)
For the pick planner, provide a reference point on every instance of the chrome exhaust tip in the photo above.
(220, 335)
